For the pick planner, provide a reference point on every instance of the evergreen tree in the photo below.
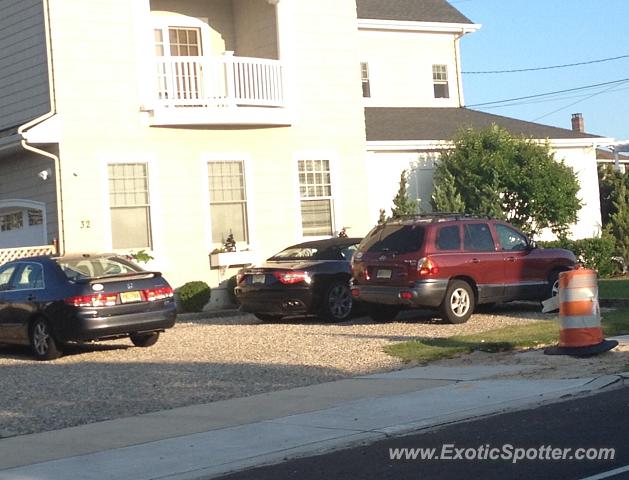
(402, 203)
(619, 221)
(445, 197)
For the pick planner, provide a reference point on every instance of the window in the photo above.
(35, 217)
(448, 238)
(130, 205)
(440, 81)
(228, 200)
(11, 221)
(178, 42)
(364, 75)
(478, 238)
(510, 239)
(315, 190)
(5, 276)
(31, 276)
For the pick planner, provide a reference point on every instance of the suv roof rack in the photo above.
(440, 216)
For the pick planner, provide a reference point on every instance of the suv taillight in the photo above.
(427, 266)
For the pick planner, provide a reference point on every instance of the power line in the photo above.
(623, 80)
(574, 103)
(534, 69)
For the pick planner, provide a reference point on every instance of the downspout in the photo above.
(38, 120)
(457, 62)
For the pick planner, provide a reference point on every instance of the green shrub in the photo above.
(595, 253)
(193, 296)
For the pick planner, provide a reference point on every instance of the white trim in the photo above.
(411, 145)
(245, 158)
(332, 156)
(396, 25)
(155, 208)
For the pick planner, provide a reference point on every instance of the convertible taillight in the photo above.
(288, 277)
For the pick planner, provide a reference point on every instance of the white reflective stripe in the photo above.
(589, 321)
(580, 281)
(573, 294)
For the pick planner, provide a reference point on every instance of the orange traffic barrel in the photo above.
(580, 332)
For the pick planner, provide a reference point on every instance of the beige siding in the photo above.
(411, 56)
(256, 31)
(24, 90)
(19, 181)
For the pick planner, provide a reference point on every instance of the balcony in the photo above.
(219, 90)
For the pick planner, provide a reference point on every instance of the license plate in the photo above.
(258, 278)
(383, 274)
(129, 297)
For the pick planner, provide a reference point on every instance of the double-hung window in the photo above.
(228, 200)
(315, 190)
(440, 81)
(364, 76)
(130, 205)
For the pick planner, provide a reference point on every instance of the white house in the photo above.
(166, 125)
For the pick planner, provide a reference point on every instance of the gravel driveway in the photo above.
(207, 360)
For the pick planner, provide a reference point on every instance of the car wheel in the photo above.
(43, 344)
(267, 317)
(144, 339)
(552, 290)
(383, 313)
(458, 305)
(337, 302)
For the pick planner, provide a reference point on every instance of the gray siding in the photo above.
(19, 181)
(24, 90)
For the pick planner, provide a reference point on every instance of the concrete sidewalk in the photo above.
(202, 441)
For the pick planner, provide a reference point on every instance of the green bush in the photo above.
(595, 253)
(193, 296)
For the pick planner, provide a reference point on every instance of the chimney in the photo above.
(578, 124)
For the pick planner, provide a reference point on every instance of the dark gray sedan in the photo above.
(47, 302)
(308, 278)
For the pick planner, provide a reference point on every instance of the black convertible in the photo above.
(308, 278)
(46, 302)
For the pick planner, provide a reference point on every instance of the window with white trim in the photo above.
(315, 190)
(440, 81)
(364, 76)
(129, 205)
(11, 221)
(228, 200)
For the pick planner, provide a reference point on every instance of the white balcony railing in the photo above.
(221, 81)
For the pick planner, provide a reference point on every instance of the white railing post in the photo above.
(231, 88)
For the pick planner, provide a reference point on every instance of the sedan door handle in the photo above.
(31, 297)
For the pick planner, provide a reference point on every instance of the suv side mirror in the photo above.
(532, 245)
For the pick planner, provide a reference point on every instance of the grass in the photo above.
(535, 334)
(613, 289)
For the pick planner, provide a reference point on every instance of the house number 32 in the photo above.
(85, 224)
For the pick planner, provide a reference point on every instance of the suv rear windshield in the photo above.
(394, 238)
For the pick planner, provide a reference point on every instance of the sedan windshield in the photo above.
(79, 268)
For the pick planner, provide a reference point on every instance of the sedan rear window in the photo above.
(394, 238)
(79, 268)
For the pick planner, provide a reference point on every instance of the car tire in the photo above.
(337, 302)
(267, 317)
(383, 313)
(458, 304)
(552, 289)
(144, 339)
(43, 344)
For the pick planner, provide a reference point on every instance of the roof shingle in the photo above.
(410, 11)
(386, 124)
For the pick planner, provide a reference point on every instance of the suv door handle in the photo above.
(510, 259)
(475, 260)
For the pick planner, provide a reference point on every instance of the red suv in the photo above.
(451, 262)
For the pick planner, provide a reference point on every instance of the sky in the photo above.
(523, 34)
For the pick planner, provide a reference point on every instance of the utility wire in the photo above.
(615, 82)
(534, 69)
(578, 101)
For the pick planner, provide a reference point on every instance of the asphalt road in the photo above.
(594, 422)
